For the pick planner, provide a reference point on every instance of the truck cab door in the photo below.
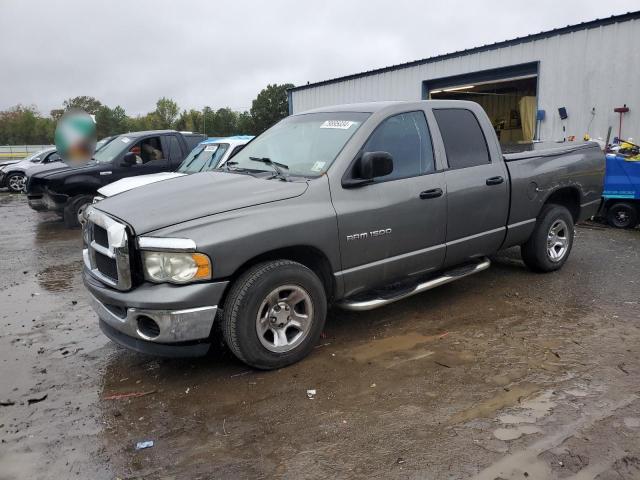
(477, 185)
(393, 227)
(151, 157)
(175, 151)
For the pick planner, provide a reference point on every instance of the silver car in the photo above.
(14, 176)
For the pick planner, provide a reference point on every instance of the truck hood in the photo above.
(133, 182)
(166, 203)
(60, 167)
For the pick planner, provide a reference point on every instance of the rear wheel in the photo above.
(274, 314)
(74, 211)
(550, 244)
(17, 182)
(622, 215)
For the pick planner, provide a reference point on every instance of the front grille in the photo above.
(107, 266)
(107, 249)
(100, 236)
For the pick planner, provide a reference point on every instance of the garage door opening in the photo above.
(508, 95)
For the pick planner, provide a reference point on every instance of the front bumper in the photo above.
(182, 316)
(48, 201)
(3, 179)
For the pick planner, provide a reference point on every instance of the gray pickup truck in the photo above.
(355, 206)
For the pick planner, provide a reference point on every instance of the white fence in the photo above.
(20, 151)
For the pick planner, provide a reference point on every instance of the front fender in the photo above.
(233, 238)
(76, 184)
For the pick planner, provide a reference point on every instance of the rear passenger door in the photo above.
(393, 227)
(477, 187)
(175, 153)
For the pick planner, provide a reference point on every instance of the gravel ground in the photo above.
(507, 374)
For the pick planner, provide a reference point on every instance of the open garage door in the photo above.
(508, 95)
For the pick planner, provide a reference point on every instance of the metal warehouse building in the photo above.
(548, 86)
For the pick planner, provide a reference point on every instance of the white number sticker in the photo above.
(125, 139)
(340, 124)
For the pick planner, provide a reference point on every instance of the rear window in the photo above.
(464, 142)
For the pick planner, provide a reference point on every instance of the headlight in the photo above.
(176, 267)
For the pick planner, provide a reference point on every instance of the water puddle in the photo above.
(502, 399)
(530, 410)
(507, 434)
(631, 422)
(389, 345)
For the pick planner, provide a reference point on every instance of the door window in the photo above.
(175, 152)
(148, 150)
(406, 137)
(53, 157)
(464, 142)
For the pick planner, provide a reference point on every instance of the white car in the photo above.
(207, 155)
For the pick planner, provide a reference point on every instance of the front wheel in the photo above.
(550, 244)
(17, 182)
(74, 211)
(274, 314)
(622, 215)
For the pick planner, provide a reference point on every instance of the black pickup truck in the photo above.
(68, 190)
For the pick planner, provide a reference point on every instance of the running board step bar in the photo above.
(359, 303)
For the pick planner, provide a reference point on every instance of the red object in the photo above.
(621, 110)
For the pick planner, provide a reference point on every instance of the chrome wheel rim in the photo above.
(17, 183)
(557, 240)
(284, 318)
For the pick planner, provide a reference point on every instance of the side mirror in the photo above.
(370, 166)
(129, 159)
(375, 164)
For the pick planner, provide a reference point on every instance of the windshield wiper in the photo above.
(278, 167)
(228, 164)
(228, 168)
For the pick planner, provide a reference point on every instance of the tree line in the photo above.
(25, 125)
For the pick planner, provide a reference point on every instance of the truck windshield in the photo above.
(305, 144)
(112, 149)
(203, 157)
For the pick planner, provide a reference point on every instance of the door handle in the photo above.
(433, 193)
(495, 180)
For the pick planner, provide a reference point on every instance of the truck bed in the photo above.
(515, 152)
(576, 168)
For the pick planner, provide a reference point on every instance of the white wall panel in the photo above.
(596, 67)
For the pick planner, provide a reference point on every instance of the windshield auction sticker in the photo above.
(339, 124)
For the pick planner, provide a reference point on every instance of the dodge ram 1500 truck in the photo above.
(356, 206)
(69, 190)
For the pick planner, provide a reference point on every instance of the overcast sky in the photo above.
(222, 53)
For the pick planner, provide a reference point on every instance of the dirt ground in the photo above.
(504, 375)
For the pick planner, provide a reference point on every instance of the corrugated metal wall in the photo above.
(597, 67)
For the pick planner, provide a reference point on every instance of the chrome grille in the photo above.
(106, 252)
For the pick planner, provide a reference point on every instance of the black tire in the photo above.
(622, 215)
(16, 176)
(73, 208)
(536, 253)
(247, 294)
